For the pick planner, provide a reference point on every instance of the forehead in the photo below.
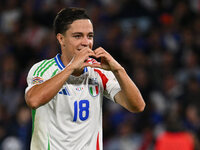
(82, 25)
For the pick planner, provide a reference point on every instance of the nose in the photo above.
(85, 42)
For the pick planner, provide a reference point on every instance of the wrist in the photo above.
(70, 69)
(74, 71)
(118, 70)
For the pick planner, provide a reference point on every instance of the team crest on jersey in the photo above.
(93, 87)
(37, 80)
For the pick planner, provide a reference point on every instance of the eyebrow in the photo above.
(81, 33)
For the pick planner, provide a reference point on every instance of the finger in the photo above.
(92, 61)
(86, 54)
(86, 64)
(99, 50)
(101, 55)
(86, 49)
(89, 54)
(92, 65)
(96, 65)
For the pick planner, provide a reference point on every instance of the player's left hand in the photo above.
(107, 61)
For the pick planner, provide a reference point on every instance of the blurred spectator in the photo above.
(4, 122)
(126, 139)
(11, 143)
(192, 119)
(9, 94)
(21, 127)
(34, 34)
(10, 17)
(190, 68)
(174, 138)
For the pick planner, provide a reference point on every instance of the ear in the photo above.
(60, 38)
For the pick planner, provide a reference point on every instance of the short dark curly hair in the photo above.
(66, 17)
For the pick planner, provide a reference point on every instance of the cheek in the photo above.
(91, 42)
(73, 43)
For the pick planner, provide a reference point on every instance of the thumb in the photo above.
(96, 65)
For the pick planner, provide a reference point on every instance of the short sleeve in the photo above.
(33, 77)
(110, 84)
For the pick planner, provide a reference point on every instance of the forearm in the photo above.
(42, 93)
(129, 96)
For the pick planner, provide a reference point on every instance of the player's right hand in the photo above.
(79, 61)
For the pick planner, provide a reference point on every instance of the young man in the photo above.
(66, 92)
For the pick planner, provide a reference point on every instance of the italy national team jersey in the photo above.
(72, 120)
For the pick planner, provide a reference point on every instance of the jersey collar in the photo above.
(60, 64)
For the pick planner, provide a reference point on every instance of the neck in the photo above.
(77, 73)
(66, 60)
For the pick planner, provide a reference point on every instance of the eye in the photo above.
(77, 36)
(90, 36)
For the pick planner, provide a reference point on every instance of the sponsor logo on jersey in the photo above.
(93, 87)
(64, 92)
(37, 80)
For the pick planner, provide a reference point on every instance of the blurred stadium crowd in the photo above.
(156, 41)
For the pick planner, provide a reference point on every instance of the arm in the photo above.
(129, 97)
(41, 94)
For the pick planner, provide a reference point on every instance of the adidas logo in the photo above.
(64, 91)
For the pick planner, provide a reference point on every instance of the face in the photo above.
(79, 35)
